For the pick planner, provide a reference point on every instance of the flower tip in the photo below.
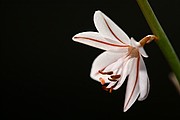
(76, 37)
(98, 11)
(125, 109)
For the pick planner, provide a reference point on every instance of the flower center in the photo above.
(133, 52)
(114, 76)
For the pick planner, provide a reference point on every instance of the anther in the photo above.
(106, 73)
(110, 90)
(115, 76)
(102, 81)
(112, 80)
(107, 89)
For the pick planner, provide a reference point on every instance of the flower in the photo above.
(122, 58)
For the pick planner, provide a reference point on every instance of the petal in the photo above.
(108, 29)
(143, 81)
(103, 60)
(125, 72)
(132, 88)
(143, 52)
(111, 84)
(94, 39)
(117, 64)
(134, 43)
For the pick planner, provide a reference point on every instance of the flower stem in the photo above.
(163, 41)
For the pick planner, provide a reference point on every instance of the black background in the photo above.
(46, 75)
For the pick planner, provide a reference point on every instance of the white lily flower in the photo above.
(122, 58)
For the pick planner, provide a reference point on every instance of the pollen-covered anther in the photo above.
(102, 81)
(106, 73)
(114, 77)
(110, 90)
(107, 89)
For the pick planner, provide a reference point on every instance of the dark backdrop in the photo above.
(46, 75)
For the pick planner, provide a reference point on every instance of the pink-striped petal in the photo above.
(108, 29)
(94, 39)
(116, 66)
(143, 52)
(132, 88)
(103, 60)
(144, 84)
(124, 72)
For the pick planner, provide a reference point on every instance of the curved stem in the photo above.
(163, 42)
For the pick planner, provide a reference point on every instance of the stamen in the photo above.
(102, 81)
(107, 89)
(112, 80)
(110, 90)
(114, 77)
(104, 88)
(106, 73)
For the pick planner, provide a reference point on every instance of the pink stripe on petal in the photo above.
(135, 84)
(144, 83)
(102, 61)
(109, 29)
(95, 40)
(113, 32)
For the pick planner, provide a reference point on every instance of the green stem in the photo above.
(163, 41)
